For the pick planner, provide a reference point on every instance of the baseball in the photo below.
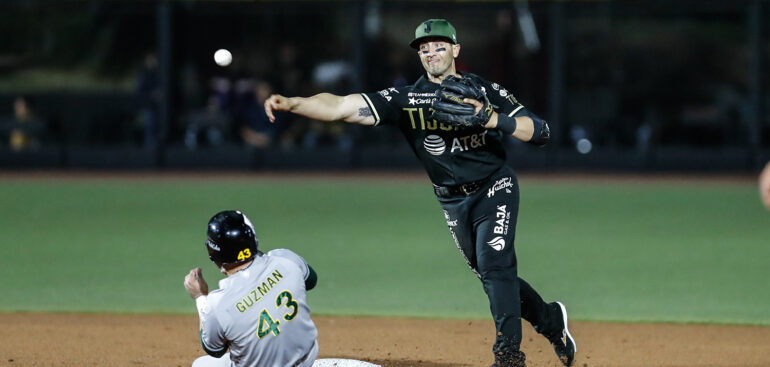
(223, 57)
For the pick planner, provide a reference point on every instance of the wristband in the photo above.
(506, 124)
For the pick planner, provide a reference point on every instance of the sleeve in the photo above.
(505, 102)
(383, 105)
(312, 279)
(293, 257)
(211, 332)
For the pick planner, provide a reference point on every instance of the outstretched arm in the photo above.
(323, 107)
(526, 127)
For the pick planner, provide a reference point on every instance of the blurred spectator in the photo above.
(210, 124)
(258, 132)
(337, 77)
(396, 69)
(242, 102)
(288, 68)
(148, 95)
(25, 129)
(192, 92)
(221, 88)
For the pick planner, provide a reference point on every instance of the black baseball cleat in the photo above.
(510, 359)
(563, 342)
(507, 353)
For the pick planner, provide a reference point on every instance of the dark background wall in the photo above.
(625, 85)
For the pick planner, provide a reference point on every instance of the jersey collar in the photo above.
(223, 283)
(423, 84)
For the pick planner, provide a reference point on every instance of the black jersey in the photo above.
(451, 155)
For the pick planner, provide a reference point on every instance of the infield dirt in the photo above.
(28, 339)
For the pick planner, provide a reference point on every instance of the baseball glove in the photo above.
(449, 107)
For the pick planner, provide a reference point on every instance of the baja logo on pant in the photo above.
(497, 243)
(502, 218)
(503, 183)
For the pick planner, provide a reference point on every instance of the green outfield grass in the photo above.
(656, 251)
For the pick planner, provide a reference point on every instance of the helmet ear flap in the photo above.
(214, 252)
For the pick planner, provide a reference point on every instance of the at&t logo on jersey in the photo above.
(434, 144)
(467, 142)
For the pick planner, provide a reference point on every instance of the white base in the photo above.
(338, 362)
(208, 361)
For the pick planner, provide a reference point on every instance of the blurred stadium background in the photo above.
(642, 86)
(628, 86)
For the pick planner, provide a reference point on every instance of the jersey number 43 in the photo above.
(269, 325)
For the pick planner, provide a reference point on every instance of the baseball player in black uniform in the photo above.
(456, 124)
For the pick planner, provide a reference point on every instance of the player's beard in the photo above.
(438, 69)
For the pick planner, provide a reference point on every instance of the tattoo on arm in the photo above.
(364, 112)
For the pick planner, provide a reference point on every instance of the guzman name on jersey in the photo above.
(271, 281)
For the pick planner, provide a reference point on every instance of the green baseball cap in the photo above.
(434, 28)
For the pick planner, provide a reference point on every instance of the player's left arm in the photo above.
(211, 335)
(512, 118)
(522, 125)
(212, 339)
(308, 273)
(312, 278)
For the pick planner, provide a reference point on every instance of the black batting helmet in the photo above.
(231, 238)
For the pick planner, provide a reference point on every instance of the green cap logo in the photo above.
(434, 28)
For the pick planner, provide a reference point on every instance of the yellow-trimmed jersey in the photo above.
(451, 155)
(260, 313)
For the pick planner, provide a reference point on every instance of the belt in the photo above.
(465, 189)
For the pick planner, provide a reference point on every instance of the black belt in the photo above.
(465, 189)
